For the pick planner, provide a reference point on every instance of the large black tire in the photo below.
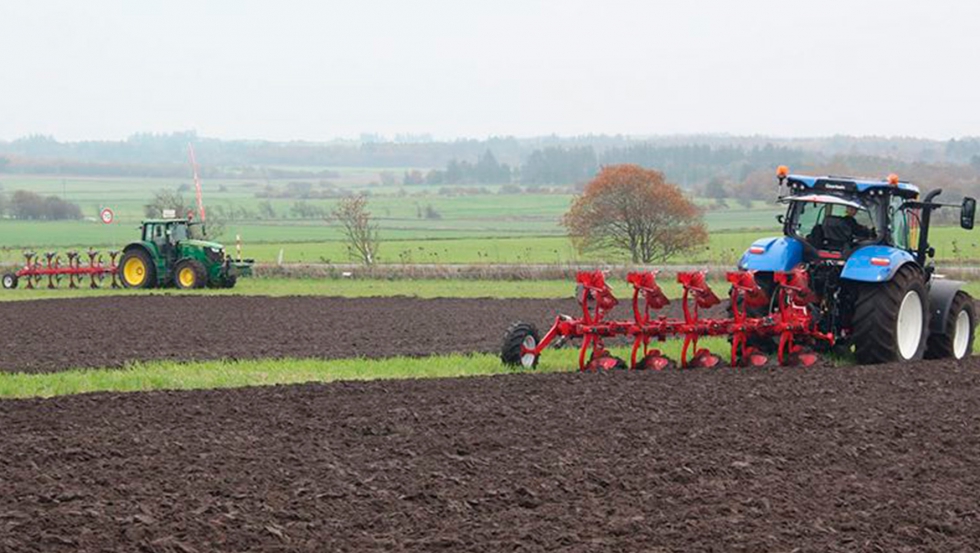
(510, 351)
(957, 340)
(141, 273)
(878, 335)
(10, 281)
(190, 274)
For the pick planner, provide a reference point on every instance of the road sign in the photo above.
(107, 216)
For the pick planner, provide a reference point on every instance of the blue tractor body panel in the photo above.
(859, 265)
(772, 254)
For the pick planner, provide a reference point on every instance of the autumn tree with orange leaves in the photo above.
(627, 207)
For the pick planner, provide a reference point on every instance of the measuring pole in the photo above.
(197, 182)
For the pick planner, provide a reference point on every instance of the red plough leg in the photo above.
(746, 294)
(795, 320)
(645, 327)
(698, 295)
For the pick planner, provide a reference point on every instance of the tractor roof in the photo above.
(162, 221)
(822, 199)
(831, 184)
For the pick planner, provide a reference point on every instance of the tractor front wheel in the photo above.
(190, 274)
(136, 269)
(891, 319)
(520, 336)
(957, 340)
(229, 281)
(10, 281)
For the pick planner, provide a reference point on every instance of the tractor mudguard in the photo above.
(145, 246)
(875, 263)
(941, 294)
(772, 254)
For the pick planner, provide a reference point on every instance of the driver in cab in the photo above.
(859, 231)
(839, 232)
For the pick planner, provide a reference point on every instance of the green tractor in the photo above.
(167, 255)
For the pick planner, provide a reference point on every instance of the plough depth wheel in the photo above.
(520, 342)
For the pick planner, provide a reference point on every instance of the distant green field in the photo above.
(482, 228)
(953, 246)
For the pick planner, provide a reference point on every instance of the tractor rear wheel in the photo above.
(190, 274)
(957, 340)
(10, 281)
(520, 334)
(136, 270)
(891, 319)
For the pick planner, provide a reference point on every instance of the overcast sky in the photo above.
(284, 69)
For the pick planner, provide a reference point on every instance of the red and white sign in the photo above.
(107, 216)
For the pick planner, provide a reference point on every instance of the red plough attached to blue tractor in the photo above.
(788, 326)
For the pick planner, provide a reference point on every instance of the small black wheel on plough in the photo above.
(10, 281)
(520, 342)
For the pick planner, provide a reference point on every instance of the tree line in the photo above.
(30, 206)
(147, 154)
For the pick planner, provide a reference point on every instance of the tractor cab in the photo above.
(842, 220)
(171, 231)
(832, 226)
(166, 235)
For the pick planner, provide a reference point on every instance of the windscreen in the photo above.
(831, 226)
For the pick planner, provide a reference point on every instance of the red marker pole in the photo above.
(197, 182)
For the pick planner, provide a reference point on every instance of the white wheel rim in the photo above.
(527, 360)
(8, 282)
(909, 325)
(961, 336)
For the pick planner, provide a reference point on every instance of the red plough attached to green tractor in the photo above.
(789, 323)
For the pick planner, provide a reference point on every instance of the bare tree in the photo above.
(360, 232)
(166, 199)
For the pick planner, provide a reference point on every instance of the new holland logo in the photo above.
(832, 186)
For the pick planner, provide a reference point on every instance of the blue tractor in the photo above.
(865, 246)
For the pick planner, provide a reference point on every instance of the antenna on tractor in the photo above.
(197, 182)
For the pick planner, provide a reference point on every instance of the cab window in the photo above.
(901, 223)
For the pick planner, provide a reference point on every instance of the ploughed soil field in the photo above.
(832, 459)
(52, 335)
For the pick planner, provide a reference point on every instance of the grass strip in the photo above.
(168, 375)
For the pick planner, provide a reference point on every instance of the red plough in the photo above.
(788, 323)
(50, 269)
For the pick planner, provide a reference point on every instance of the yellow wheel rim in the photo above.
(186, 277)
(134, 271)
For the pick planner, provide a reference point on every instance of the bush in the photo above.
(31, 206)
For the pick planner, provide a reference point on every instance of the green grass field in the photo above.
(953, 247)
(155, 376)
(265, 372)
(362, 288)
